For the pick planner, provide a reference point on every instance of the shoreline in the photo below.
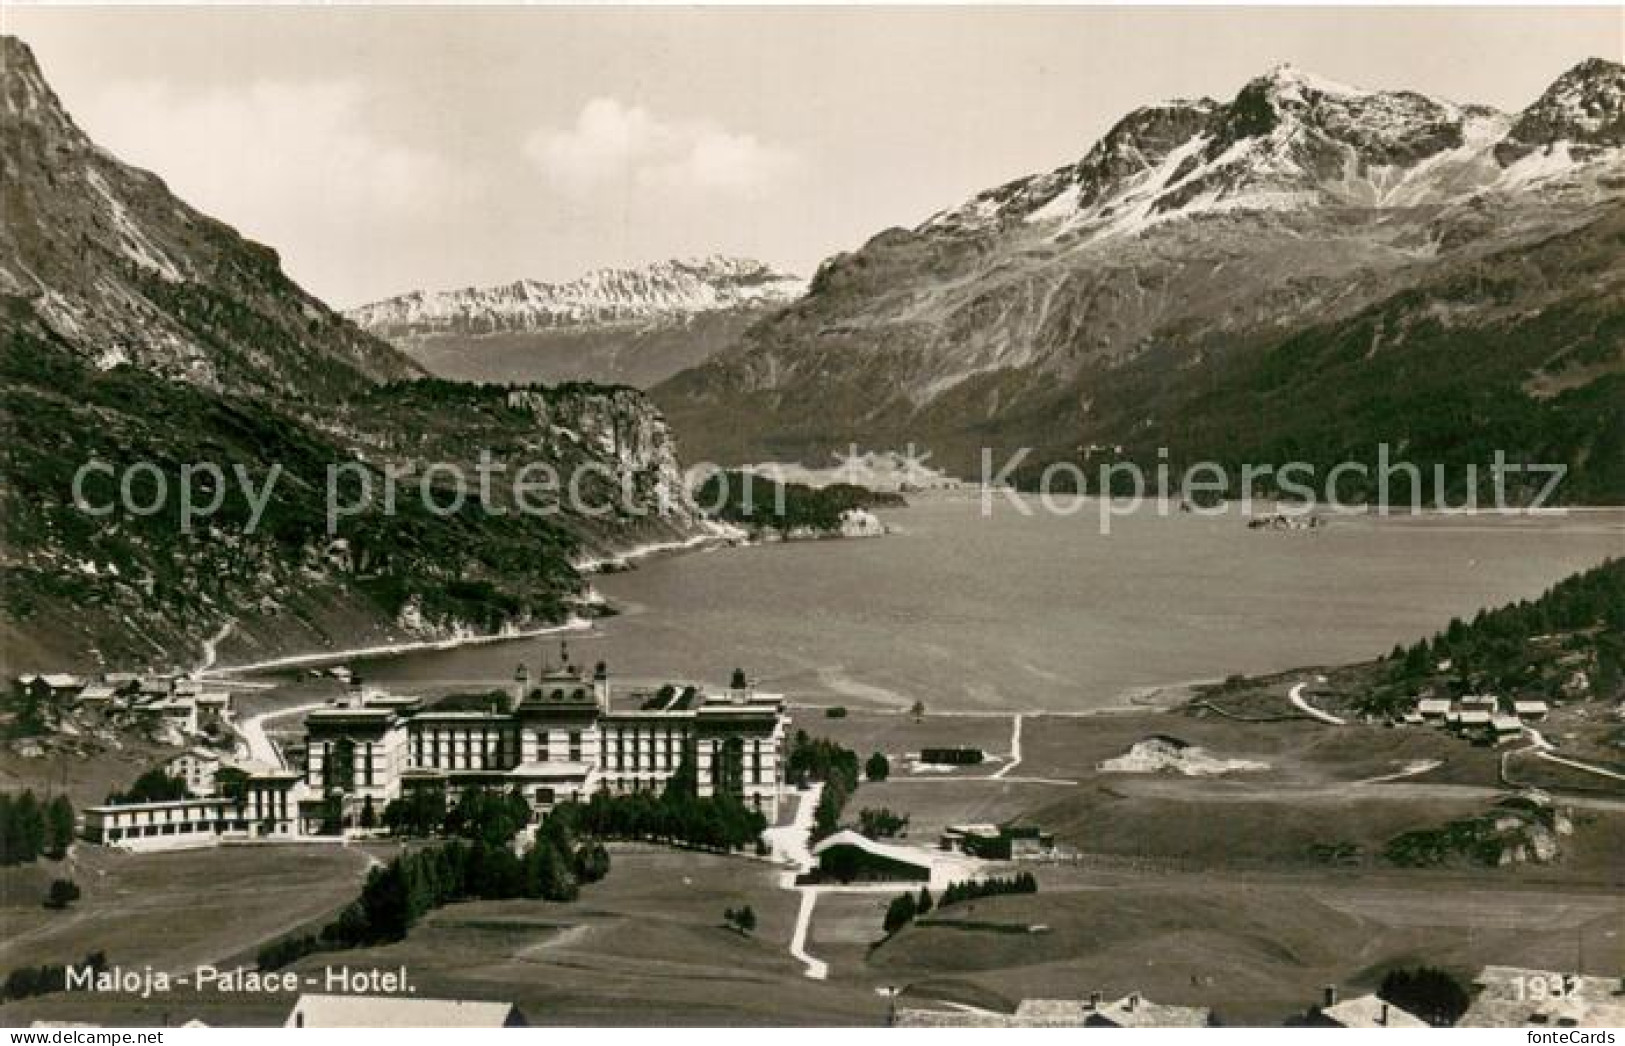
(575, 624)
(1154, 504)
(714, 534)
(1150, 699)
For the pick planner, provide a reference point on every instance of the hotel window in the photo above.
(575, 746)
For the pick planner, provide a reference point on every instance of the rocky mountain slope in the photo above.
(1309, 268)
(630, 326)
(137, 333)
(123, 272)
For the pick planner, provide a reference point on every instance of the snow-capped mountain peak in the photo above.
(1287, 79)
(1585, 106)
(1292, 140)
(1306, 237)
(662, 291)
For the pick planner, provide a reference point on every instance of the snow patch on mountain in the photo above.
(1294, 141)
(662, 291)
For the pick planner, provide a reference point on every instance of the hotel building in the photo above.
(558, 738)
(264, 805)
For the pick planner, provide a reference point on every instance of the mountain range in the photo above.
(143, 335)
(1298, 273)
(626, 326)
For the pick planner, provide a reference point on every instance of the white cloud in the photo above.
(360, 210)
(613, 144)
(295, 164)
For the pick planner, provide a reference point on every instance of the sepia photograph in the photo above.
(791, 517)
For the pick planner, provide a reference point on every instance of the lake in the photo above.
(1009, 611)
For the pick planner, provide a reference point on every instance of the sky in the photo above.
(382, 150)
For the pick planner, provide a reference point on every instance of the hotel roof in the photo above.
(165, 804)
(1132, 1011)
(723, 706)
(560, 697)
(265, 773)
(1069, 1010)
(903, 854)
(383, 700)
(395, 1011)
(553, 771)
(460, 714)
(988, 830)
(1369, 1011)
(349, 712)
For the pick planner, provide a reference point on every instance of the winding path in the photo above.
(789, 844)
(816, 969)
(211, 646)
(1295, 695)
(1577, 765)
(1015, 748)
(1415, 769)
(261, 748)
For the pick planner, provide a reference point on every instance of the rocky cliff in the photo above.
(122, 272)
